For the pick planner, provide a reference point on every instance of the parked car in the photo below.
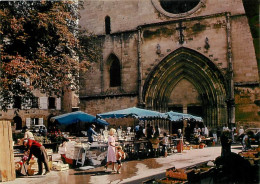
(36, 128)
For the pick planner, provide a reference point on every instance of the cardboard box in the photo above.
(60, 167)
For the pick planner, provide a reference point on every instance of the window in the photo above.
(178, 6)
(17, 102)
(115, 75)
(34, 121)
(107, 25)
(35, 102)
(52, 103)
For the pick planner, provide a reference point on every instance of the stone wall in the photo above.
(206, 32)
(107, 103)
(129, 14)
(247, 107)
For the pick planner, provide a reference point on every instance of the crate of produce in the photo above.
(249, 154)
(180, 174)
(195, 146)
(186, 147)
(60, 166)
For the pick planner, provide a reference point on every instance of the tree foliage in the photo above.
(40, 48)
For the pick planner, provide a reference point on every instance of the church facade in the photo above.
(193, 57)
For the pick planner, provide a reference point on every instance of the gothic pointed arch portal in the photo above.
(184, 74)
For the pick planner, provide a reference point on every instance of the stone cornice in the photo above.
(172, 21)
(103, 96)
(247, 84)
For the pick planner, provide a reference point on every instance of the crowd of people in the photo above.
(115, 153)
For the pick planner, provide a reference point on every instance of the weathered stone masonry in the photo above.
(201, 61)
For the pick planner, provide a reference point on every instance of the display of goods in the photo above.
(154, 141)
(30, 172)
(201, 145)
(186, 147)
(176, 173)
(195, 146)
(249, 154)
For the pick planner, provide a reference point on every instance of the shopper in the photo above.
(39, 152)
(157, 132)
(226, 141)
(111, 151)
(164, 144)
(246, 142)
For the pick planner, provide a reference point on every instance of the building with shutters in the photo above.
(39, 110)
(193, 57)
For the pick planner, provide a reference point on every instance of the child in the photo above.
(164, 143)
(119, 158)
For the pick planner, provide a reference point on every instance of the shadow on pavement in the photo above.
(34, 176)
(95, 173)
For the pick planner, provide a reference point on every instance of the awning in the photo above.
(134, 112)
(176, 116)
(78, 116)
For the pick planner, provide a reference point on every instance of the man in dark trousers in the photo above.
(39, 152)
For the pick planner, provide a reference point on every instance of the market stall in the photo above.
(137, 147)
(78, 151)
(143, 116)
(75, 122)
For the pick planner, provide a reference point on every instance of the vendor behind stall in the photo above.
(90, 133)
(39, 152)
(246, 142)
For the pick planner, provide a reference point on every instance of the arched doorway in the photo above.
(186, 81)
(18, 121)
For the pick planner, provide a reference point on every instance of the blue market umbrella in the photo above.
(133, 112)
(176, 116)
(78, 116)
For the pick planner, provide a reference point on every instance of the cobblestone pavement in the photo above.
(131, 172)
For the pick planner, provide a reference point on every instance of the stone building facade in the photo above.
(188, 56)
(39, 110)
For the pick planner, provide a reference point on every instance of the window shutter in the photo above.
(40, 121)
(43, 102)
(58, 104)
(28, 122)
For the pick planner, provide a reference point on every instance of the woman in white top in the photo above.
(28, 134)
